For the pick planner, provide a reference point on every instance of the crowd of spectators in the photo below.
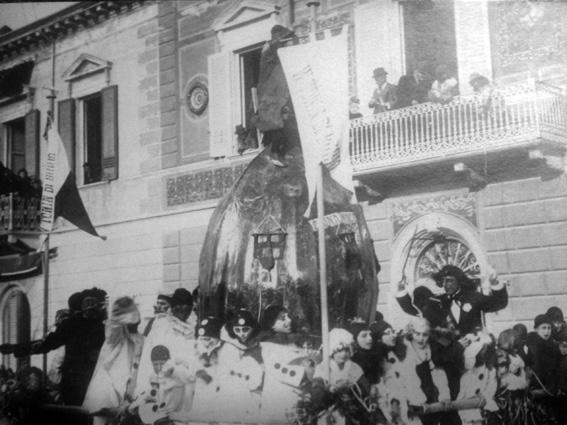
(18, 183)
(444, 367)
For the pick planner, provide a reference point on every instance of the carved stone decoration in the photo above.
(86, 65)
(528, 34)
(197, 97)
(461, 205)
(201, 185)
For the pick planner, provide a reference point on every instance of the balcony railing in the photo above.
(19, 214)
(512, 115)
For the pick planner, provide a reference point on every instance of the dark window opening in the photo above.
(249, 77)
(430, 39)
(92, 167)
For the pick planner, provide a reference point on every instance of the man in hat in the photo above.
(162, 306)
(384, 96)
(556, 316)
(82, 335)
(463, 304)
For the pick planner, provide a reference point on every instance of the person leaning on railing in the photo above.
(444, 88)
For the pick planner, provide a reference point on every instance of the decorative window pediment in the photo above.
(245, 12)
(86, 65)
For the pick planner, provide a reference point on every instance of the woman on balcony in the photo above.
(444, 88)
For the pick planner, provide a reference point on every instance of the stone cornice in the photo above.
(82, 15)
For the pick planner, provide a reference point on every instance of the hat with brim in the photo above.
(379, 72)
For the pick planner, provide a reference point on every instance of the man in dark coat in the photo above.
(460, 307)
(412, 89)
(82, 335)
(462, 302)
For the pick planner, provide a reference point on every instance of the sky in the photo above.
(16, 15)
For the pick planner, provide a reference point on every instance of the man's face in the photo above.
(181, 311)
(282, 323)
(90, 307)
(557, 325)
(421, 336)
(418, 75)
(450, 284)
(242, 332)
(380, 79)
(364, 340)
(563, 348)
(162, 306)
(544, 331)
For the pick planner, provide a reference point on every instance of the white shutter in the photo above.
(473, 38)
(221, 130)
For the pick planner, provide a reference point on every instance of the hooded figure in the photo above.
(112, 384)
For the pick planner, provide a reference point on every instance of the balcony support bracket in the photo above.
(549, 164)
(366, 193)
(474, 181)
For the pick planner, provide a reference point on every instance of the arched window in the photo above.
(15, 325)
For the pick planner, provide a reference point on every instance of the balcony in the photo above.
(523, 124)
(19, 214)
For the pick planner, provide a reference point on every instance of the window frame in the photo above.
(242, 29)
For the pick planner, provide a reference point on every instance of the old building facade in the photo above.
(148, 97)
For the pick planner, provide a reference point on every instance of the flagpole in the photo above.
(323, 270)
(321, 233)
(51, 97)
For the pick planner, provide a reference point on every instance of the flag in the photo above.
(317, 76)
(60, 196)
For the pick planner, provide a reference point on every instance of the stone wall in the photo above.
(525, 234)
(522, 229)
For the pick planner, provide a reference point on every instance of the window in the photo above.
(93, 106)
(99, 112)
(233, 72)
(15, 325)
(22, 147)
(16, 132)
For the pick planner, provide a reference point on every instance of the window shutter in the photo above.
(66, 127)
(220, 122)
(110, 133)
(32, 142)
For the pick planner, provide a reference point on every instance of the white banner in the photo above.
(317, 76)
(55, 172)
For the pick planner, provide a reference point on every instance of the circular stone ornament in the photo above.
(197, 97)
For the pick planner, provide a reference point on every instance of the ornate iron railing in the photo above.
(503, 117)
(19, 214)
